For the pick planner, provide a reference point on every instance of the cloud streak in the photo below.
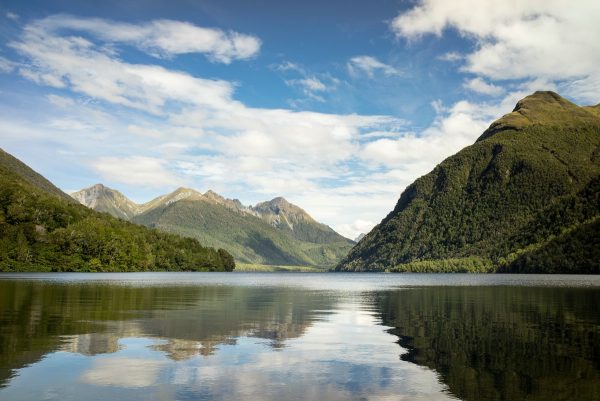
(160, 38)
(370, 66)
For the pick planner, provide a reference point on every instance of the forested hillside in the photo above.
(42, 229)
(523, 198)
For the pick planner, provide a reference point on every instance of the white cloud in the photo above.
(480, 86)
(60, 101)
(12, 16)
(123, 372)
(6, 66)
(181, 129)
(547, 39)
(354, 229)
(136, 170)
(310, 86)
(161, 38)
(370, 66)
(451, 57)
(287, 66)
(75, 62)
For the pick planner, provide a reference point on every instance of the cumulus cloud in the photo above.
(370, 66)
(536, 39)
(161, 38)
(480, 86)
(136, 170)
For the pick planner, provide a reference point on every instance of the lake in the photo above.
(299, 336)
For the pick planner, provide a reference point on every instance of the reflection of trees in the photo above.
(500, 343)
(37, 318)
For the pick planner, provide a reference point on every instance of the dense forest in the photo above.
(523, 198)
(42, 229)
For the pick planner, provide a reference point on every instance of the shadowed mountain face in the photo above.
(476, 208)
(273, 232)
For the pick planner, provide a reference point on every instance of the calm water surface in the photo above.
(285, 336)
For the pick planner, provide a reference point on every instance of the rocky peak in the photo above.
(182, 193)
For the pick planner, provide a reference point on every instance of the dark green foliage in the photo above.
(44, 232)
(500, 343)
(577, 251)
(497, 197)
(458, 265)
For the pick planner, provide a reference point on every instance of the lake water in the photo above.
(286, 336)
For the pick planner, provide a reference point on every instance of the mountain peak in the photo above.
(542, 108)
(104, 199)
(212, 195)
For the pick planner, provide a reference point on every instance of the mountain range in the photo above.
(275, 232)
(44, 229)
(525, 197)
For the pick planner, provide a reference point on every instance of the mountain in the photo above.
(43, 229)
(523, 198)
(359, 237)
(274, 232)
(19, 169)
(103, 199)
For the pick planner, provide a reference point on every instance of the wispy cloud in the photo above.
(370, 66)
(161, 38)
(311, 86)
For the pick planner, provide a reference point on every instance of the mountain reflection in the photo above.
(501, 343)
(90, 319)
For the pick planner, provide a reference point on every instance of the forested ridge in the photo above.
(523, 198)
(42, 229)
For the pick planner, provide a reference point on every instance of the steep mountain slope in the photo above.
(42, 229)
(476, 207)
(274, 232)
(23, 171)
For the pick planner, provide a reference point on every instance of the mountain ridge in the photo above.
(270, 232)
(462, 213)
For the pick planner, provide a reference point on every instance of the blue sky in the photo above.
(334, 105)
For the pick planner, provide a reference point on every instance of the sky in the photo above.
(336, 106)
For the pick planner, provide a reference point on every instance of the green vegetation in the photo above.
(451, 265)
(524, 197)
(41, 230)
(271, 233)
(249, 238)
(249, 267)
